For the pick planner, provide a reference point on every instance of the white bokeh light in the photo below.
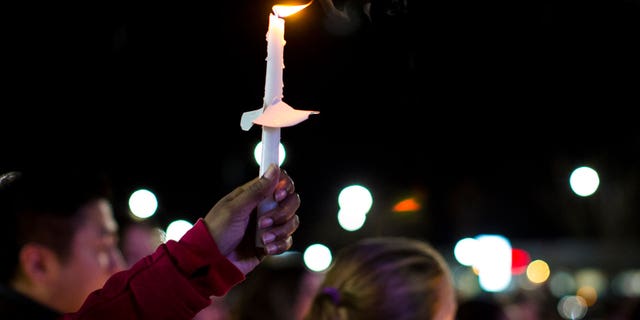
(143, 203)
(572, 307)
(355, 198)
(177, 229)
(317, 257)
(494, 263)
(257, 153)
(351, 220)
(466, 251)
(584, 181)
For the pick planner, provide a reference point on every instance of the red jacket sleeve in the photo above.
(175, 282)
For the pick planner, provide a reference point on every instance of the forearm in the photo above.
(175, 282)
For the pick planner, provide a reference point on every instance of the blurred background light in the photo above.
(584, 181)
(257, 153)
(177, 228)
(143, 203)
(317, 257)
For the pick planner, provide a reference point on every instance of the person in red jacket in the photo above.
(61, 242)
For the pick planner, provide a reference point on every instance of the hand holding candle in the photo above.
(275, 113)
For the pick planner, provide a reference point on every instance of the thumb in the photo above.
(256, 190)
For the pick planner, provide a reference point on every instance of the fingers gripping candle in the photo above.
(275, 113)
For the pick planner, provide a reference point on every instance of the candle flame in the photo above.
(286, 10)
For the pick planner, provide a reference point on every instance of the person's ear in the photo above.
(38, 263)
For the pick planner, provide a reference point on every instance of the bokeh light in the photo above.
(355, 198)
(465, 251)
(143, 203)
(317, 257)
(562, 283)
(351, 220)
(584, 181)
(494, 263)
(538, 271)
(572, 307)
(177, 229)
(257, 153)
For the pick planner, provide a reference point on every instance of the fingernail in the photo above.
(271, 172)
(268, 237)
(266, 222)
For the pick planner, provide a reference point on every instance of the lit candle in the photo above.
(273, 83)
(272, 89)
(274, 113)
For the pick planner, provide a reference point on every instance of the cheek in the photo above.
(91, 267)
(102, 260)
(82, 275)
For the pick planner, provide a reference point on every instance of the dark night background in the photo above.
(480, 109)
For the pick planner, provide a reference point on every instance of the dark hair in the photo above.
(382, 278)
(43, 207)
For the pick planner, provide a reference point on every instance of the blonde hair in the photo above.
(382, 278)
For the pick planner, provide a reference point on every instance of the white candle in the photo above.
(272, 94)
(273, 100)
(272, 89)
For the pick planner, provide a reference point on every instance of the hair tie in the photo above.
(333, 293)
